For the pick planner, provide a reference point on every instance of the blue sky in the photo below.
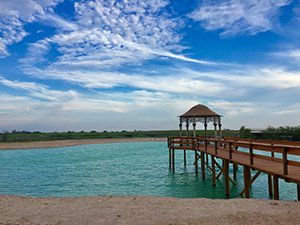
(117, 64)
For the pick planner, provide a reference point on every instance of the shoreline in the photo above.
(145, 210)
(72, 142)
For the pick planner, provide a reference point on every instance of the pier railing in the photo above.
(279, 151)
(278, 159)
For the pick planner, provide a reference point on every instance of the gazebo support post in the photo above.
(206, 141)
(220, 128)
(187, 127)
(196, 154)
(215, 127)
(194, 127)
(180, 128)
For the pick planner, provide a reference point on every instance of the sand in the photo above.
(65, 143)
(145, 210)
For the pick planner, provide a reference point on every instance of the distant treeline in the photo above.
(280, 133)
(23, 136)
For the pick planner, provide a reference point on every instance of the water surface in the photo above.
(114, 169)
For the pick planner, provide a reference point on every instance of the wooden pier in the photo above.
(247, 153)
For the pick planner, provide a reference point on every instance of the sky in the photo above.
(137, 65)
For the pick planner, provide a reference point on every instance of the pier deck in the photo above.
(280, 162)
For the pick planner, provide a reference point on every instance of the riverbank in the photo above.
(65, 143)
(145, 210)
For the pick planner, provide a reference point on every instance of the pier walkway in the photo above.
(278, 159)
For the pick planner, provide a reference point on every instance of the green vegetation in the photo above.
(23, 136)
(280, 133)
(245, 132)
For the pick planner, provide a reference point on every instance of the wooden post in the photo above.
(251, 154)
(247, 176)
(230, 150)
(216, 147)
(202, 165)
(180, 128)
(220, 127)
(272, 153)
(187, 126)
(270, 186)
(196, 162)
(226, 176)
(170, 158)
(285, 161)
(235, 165)
(173, 160)
(276, 187)
(206, 158)
(194, 127)
(184, 158)
(215, 127)
(298, 192)
(213, 170)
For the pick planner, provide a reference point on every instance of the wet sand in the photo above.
(145, 210)
(65, 143)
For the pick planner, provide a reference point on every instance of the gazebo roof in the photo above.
(199, 111)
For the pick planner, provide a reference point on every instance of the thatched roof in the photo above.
(199, 111)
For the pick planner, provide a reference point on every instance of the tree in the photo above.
(245, 132)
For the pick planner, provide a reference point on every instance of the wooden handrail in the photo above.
(286, 148)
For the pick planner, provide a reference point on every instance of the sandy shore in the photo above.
(145, 210)
(64, 143)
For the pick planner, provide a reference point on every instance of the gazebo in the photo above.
(203, 114)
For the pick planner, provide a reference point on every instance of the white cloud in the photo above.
(38, 90)
(254, 76)
(179, 83)
(15, 14)
(100, 111)
(288, 55)
(112, 34)
(231, 109)
(238, 16)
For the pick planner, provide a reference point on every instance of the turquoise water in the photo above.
(114, 169)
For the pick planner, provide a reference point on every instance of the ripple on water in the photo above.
(114, 169)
